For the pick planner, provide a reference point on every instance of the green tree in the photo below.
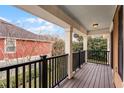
(99, 44)
(58, 47)
(78, 44)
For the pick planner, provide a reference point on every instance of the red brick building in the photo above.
(16, 42)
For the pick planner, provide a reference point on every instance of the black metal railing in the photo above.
(101, 57)
(45, 72)
(78, 59)
(57, 70)
(22, 75)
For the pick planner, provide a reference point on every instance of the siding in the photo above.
(117, 78)
(26, 48)
(1, 48)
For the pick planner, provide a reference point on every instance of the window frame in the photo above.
(120, 42)
(5, 44)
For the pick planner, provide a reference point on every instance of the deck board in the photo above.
(106, 81)
(78, 80)
(96, 85)
(76, 77)
(101, 83)
(87, 83)
(111, 84)
(86, 75)
(92, 82)
(91, 76)
(81, 77)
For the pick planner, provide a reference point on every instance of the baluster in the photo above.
(55, 70)
(29, 75)
(8, 78)
(59, 69)
(35, 75)
(50, 73)
(23, 76)
(79, 59)
(40, 75)
(16, 76)
(44, 72)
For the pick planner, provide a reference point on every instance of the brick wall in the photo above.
(26, 48)
(1, 48)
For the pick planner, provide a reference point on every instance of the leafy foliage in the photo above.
(78, 44)
(98, 50)
(98, 44)
(58, 47)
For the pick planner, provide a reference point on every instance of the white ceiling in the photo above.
(87, 15)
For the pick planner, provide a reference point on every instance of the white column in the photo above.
(85, 46)
(68, 50)
(109, 47)
(108, 43)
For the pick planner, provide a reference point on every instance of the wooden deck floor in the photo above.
(90, 76)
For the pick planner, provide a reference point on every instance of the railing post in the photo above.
(85, 46)
(85, 55)
(106, 58)
(44, 72)
(79, 60)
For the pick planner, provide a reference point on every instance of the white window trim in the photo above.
(6, 46)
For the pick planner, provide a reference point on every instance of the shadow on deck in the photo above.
(90, 76)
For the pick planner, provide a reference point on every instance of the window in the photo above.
(10, 45)
(120, 42)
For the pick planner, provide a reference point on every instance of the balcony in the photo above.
(52, 72)
(91, 76)
(81, 69)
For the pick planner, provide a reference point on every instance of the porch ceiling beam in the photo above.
(53, 14)
(98, 32)
(41, 13)
(56, 11)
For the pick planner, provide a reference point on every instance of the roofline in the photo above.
(29, 39)
(16, 26)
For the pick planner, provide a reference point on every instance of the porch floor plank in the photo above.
(111, 84)
(106, 84)
(90, 76)
(79, 80)
(86, 75)
(92, 82)
(76, 76)
(97, 81)
(101, 84)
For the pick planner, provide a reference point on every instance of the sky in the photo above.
(29, 22)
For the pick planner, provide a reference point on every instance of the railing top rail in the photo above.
(27, 63)
(79, 51)
(98, 50)
(56, 56)
(75, 52)
(19, 65)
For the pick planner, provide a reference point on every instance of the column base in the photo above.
(70, 76)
